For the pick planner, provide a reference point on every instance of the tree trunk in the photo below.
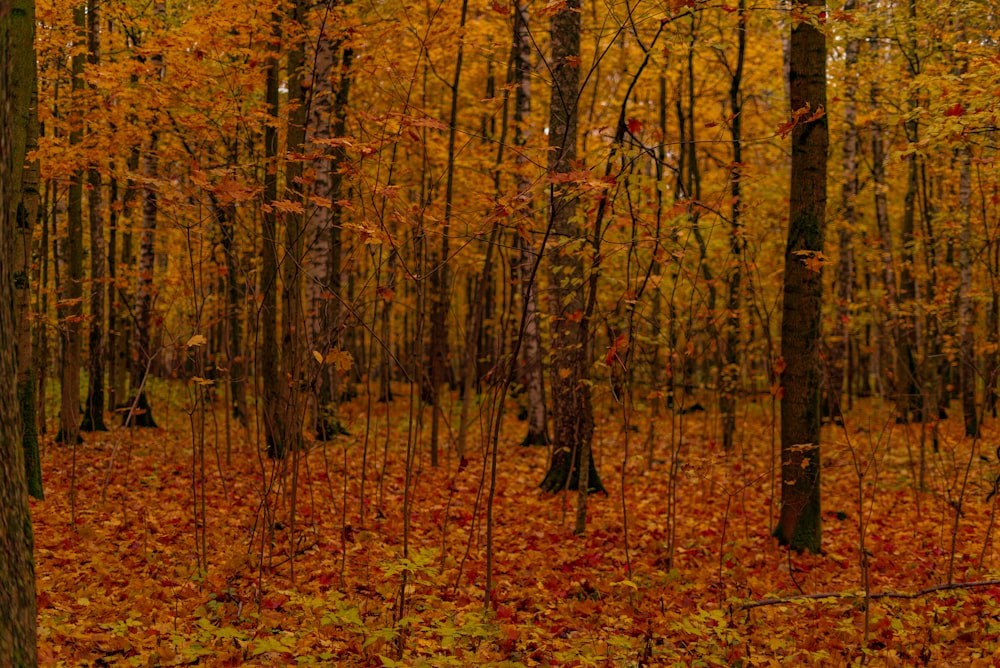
(323, 291)
(140, 413)
(25, 202)
(93, 413)
(17, 577)
(840, 342)
(71, 303)
(292, 316)
(966, 307)
(800, 525)
(534, 379)
(572, 465)
(731, 370)
(441, 278)
(267, 354)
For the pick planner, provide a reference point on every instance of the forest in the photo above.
(507, 333)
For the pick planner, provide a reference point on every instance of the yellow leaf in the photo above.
(196, 340)
(340, 359)
(317, 356)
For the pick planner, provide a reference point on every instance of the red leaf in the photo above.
(634, 125)
(955, 110)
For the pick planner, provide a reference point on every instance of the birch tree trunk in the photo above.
(572, 465)
(141, 413)
(323, 290)
(534, 379)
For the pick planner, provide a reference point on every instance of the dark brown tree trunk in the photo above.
(93, 411)
(800, 525)
(966, 307)
(70, 306)
(267, 353)
(17, 577)
(25, 200)
(441, 278)
(730, 373)
(292, 316)
(139, 413)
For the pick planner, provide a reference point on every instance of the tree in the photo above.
(142, 354)
(268, 285)
(800, 524)
(17, 574)
(24, 91)
(534, 379)
(572, 466)
(93, 413)
(71, 302)
(323, 290)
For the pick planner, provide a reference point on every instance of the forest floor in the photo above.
(178, 557)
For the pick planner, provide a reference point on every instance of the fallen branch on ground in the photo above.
(876, 595)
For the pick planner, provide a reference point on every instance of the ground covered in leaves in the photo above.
(185, 549)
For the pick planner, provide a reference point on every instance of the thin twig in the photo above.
(874, 595)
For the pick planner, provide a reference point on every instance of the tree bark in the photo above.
(140, 413)
(25, 201)
(71, 303)
(572, 465)
(292, 316)
(267, 354)
(800, 524)
(328, 117)
(93, 413)
(731, 370)
(18, 644)
(840, 348)
(441, 278)
(534, 379)
(966, 306)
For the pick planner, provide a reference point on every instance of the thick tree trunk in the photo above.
(572, 465)
(25, 203)
(323, 291)
(800, 525)
(17, 578)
